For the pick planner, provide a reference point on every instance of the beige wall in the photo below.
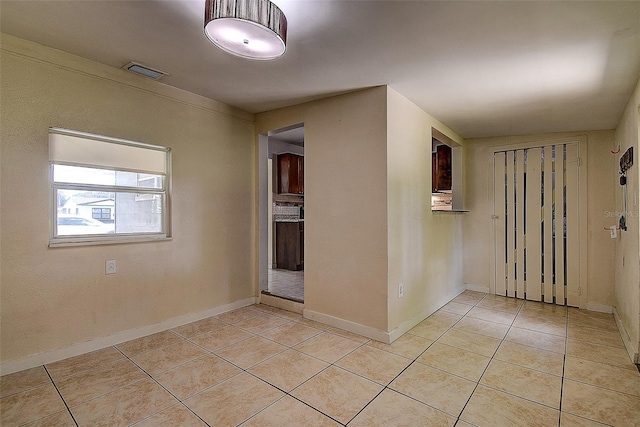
(601, 185)
(425, 249)
(52, 298)
(627, 283)
(345, 205)
(368, 219)
(367, 208)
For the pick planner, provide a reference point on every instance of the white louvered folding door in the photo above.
(536, 223)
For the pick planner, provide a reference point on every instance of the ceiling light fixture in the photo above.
(252, 29)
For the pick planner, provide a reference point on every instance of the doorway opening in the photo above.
(282, 274)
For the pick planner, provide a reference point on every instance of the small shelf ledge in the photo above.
(450, 211)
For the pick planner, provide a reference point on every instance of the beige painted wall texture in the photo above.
(627, 281)
(425, 248)
(367, 207)
(52, 298)
(345, 203)
(368, 219)
(601, 185)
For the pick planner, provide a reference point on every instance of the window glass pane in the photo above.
(135, 215)
(93, 176)
(99, 212)
(80, 175)
(146, 180)
(87, 208)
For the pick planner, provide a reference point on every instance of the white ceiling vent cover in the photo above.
(143, 70)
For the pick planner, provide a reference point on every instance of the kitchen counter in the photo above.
(287, 218)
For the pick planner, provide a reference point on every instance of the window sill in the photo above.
(112, 241)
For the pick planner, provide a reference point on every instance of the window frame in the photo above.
(98, 239)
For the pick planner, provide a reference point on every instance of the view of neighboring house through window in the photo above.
(101, 214)
(107, 189)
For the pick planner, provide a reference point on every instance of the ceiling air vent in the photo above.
(143, 70)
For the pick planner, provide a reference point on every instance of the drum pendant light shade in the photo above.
(252, 29)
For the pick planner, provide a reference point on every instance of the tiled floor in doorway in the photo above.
(481, 360)
(287, 284)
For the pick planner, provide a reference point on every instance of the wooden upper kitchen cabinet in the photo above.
(441, 169)
(290, 174)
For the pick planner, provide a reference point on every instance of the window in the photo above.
(118, 189)
(101, 213)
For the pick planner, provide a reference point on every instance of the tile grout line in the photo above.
(415, 360)
(564, 363)
(246, 370)
(169, 407)
(254, 334)
(60, 394)
(159, 384)
(490, 359)
(367, 405)
(330, 364)
(562, 376)
(100, 395)
(29, 388)
(582, 382)
(293, 397)
(430, 345)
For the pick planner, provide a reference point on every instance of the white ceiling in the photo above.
(291, 135)
(482, 68)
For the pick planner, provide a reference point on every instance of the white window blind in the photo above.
(107, 189)
(75, 148)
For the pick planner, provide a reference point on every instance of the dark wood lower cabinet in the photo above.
(290, 245)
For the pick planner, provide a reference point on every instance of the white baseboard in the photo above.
(117, 338)
(405, 326)
(632, 350)
(377, 334)
(599, 307)
(477, 288)
(347, 325)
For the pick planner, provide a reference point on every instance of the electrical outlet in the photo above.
(110, 266)
(400, 290)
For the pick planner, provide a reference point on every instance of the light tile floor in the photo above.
(286, 284)
(482, 360)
